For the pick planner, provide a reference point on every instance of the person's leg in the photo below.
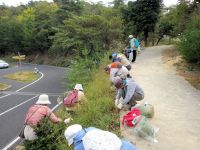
(128, 67)
(134, 55)
(138, 96)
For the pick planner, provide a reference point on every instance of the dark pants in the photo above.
(134, 55)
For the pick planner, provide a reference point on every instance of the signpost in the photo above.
(19, 58)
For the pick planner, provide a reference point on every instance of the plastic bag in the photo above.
(146, 109)
(145, 130)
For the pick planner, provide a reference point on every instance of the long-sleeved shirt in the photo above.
(128, 90)
(37, 112)
(123, 59)
(132, 44)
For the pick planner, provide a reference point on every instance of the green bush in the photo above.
(190, 45)
(50, 137)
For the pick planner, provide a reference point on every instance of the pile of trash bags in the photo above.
(141, 126)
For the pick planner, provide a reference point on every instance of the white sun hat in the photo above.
(71, 132)
(78, 87)
(130, 36)
(101, 140)
(43, 99)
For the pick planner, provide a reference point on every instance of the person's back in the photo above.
(123, 72)
(124, 60)
(94, 138)
(35, 114)
(79, 98)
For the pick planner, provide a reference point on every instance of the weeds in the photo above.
(98, 111)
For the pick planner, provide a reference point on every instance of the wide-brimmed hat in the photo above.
(78, 87)
(71, 132)
(43, 99)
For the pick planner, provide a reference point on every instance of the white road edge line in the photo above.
(11, 143)
(42, 75)
(17, 105)
(18, 138)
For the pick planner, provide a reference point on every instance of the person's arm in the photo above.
(129, 93)
(132, 44)
(52, 116)
(119, 94)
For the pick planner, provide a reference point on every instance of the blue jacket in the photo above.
(78, 144)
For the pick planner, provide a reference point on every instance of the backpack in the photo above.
(136, 43)
(71, 99)
(132, 117)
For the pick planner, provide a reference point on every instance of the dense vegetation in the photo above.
(183, 23)
(62, 28)
(79, 34)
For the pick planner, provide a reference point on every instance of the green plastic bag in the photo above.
(146, 109)
(145, 130)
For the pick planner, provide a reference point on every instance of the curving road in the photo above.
(15, 101)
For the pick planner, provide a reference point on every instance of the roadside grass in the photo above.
(3, 86)
(98, 111)
(24, 76)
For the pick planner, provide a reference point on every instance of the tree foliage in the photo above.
(63, 27)
(141, 16)
(190, 45)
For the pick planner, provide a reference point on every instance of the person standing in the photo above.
(134, 45)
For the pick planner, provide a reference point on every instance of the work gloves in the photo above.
(119, 103)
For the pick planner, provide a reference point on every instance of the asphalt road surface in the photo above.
(15, 101)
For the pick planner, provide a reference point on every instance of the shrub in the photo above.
(190, 45)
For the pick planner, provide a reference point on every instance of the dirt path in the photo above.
(176, 103)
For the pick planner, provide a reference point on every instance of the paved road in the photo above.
(15, 101)
(176, 102)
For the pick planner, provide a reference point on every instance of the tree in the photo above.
(79, 35)
(67, 8)
(165, 27)
(190, 45)
(118, 3)
(141, 16)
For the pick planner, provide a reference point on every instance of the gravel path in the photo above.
(176, 103)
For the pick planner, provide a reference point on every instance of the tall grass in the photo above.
(98, 111)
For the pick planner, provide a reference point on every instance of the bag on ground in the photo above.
(71, 99)
(132, 117)
(146, 109)
(145, 130)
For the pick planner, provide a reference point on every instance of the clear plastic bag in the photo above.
(145, 130)
(147, 110)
